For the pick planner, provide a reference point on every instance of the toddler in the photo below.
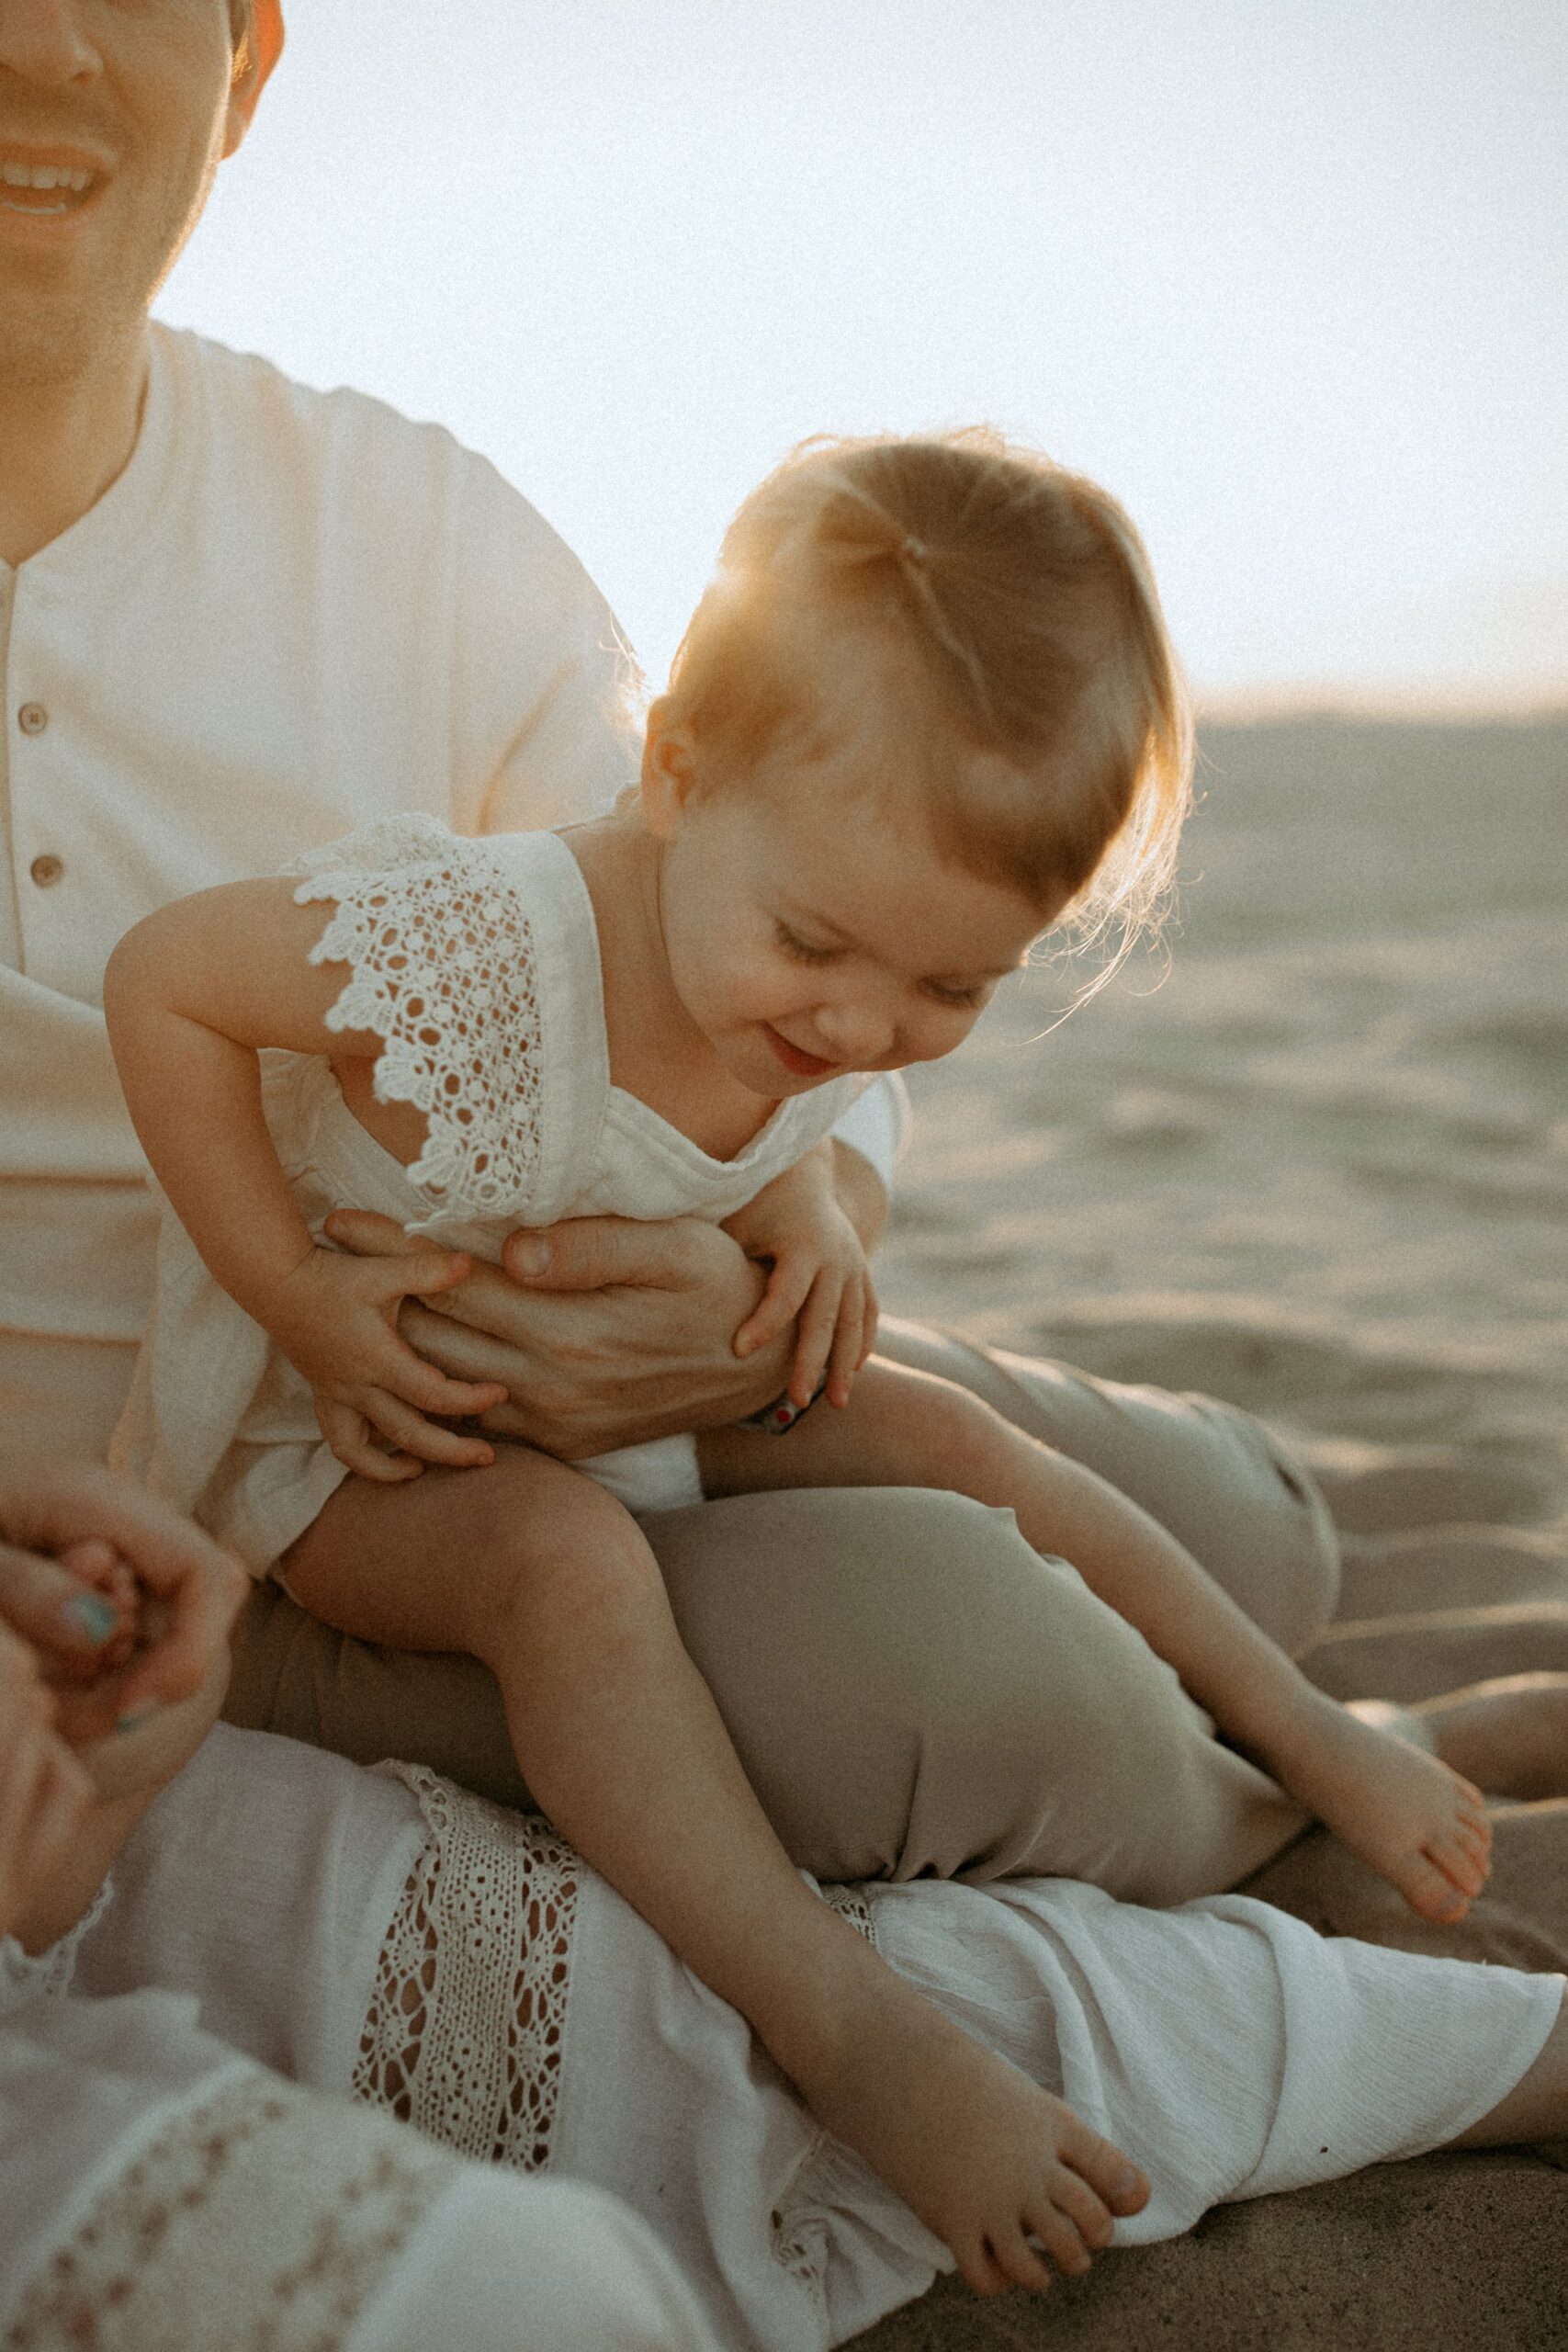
(926, 709)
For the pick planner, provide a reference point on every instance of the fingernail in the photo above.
(532, 1256)
(1128, 2182)
(91, 1615)
(137, 1717)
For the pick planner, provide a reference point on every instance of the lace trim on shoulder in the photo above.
(254, 2220)
(442, 963)
(28, 1976)
(467, 2024)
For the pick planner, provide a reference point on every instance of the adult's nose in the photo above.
(47, 42)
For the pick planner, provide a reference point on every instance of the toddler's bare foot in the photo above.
(987, 2159)
(1403, 1810)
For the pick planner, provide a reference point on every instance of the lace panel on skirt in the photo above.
(467, 2023)
(253, 2220)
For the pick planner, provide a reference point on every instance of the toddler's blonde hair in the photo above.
(1025, 597)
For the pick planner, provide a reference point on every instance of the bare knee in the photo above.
(567, 1564)
(965, 1444)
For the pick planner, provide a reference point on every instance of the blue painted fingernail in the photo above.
(138, 1716)
(93, 1616)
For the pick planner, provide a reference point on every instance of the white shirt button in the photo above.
(32, 718)
(47, 870)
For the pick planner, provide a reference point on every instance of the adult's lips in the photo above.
(48, 182)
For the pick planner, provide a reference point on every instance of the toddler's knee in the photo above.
(588, 1566)
(969, 1445)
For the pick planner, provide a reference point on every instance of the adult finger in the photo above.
(428, 1273)
(60, 1799)
(366, 1234)
(873, 1313)
(846, 1355)
(420, 1384)
(426, 1440)
(604, 1252)
(818, 1320)
(48, 1607)
(352, 1441)
(789, 1286)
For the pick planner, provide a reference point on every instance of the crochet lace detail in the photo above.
(48, 1975)
(467, 2023)
(850, 1904)
(252, 2220)
(442, 968)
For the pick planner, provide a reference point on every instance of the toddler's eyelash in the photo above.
(801, 949)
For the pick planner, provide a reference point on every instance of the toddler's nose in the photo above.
(858, 1036)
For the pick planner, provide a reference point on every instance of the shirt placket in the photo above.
(39, 909)
(10, 891)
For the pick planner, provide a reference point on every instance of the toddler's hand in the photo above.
(335, 1318)
(818, 1276)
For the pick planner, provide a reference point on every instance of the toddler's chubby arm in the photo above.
(192, 995)
(818, 1275)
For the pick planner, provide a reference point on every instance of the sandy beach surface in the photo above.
(1322, 1171)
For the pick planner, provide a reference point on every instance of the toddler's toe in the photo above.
(1431, 1892)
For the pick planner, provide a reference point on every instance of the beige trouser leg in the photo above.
(1213, 1476)
(910, 1688)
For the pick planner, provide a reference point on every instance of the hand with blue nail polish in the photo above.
(126, 1604)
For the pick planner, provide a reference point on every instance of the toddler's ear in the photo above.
(669, 771)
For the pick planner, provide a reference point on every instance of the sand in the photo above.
(1321, 1170)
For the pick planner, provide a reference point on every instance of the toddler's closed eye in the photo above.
(803, 950)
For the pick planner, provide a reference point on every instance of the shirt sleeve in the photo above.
(876, 1124)
(545, 687)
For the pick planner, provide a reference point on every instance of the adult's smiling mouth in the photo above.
(46, 183)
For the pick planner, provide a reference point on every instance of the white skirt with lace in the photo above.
(459, 1968)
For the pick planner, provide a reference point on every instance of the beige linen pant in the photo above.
(912, 1689)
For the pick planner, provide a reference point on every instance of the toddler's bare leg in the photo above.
(1404, 1811)
(532, 1569)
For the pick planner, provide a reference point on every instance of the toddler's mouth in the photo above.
(799, 1064)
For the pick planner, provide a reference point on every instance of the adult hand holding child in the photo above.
(605, 1330)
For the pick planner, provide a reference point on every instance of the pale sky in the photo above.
(1290, 277)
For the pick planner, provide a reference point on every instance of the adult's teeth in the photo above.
(43, 176)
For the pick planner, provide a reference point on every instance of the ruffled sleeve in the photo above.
(465, 960)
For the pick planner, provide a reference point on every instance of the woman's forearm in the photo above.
(52, 1910)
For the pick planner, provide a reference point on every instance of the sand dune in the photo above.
(1321, 1172)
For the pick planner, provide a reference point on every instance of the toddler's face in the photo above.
(811, 932)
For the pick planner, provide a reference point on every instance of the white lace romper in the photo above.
(478, 963)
